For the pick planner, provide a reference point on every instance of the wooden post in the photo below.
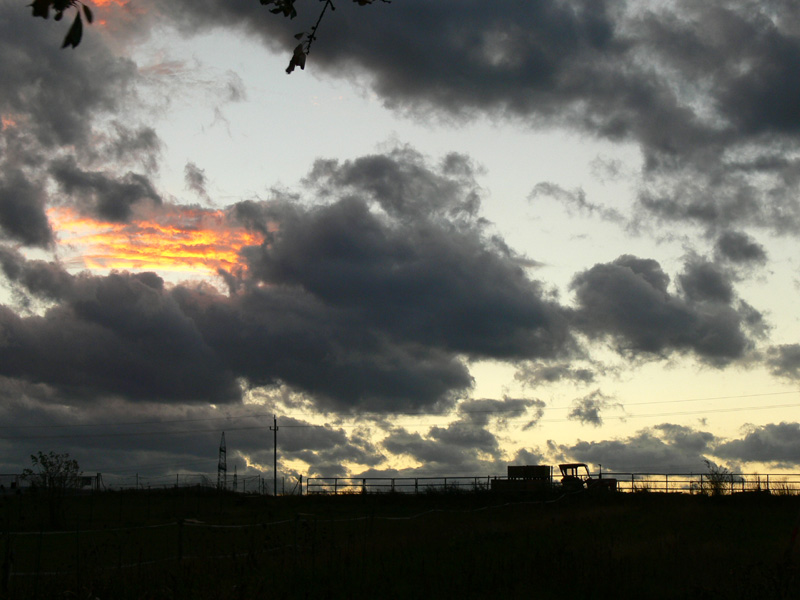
(180, 539)
(666, 482)
(274, 429)
(77, 556)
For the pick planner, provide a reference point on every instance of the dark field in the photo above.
(200, 544)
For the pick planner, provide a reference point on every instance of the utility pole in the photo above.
(274, 430)
(222, 465)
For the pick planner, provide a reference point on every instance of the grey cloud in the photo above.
(574, 201)
(533, 373)
(458, 448)
(704, 281)
(628, 301)
(481, 412)
(39, 278)
(80, 85)
(403, 184)
(777, 444)
(362, 309)
(195, 179)
(22, 204)
(784, 360)
(525, 456)
(284, 335)
(140, 145)
(739, 248)
(665, 448)
(420, 280)
(118, 335)
(104, 195)
(588, 409)
(325, 449)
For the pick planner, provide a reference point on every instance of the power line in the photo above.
(416, 424)
(359, 415)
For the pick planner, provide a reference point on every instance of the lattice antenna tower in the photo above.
(222, 465)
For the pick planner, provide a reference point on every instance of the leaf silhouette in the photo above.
(73, 37)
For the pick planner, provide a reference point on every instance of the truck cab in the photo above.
(575, 477)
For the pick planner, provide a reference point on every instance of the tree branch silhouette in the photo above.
(41, 8)
(302, 50)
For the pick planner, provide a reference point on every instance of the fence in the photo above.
(719, 483)
(784, 484)
(691, 483)
(415, 485)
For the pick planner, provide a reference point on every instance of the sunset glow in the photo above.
(109, 2)
(180, 239)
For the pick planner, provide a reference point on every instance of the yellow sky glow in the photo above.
(180, 239)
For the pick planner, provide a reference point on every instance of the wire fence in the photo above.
(249, 484)
(688, 483)
(717, 483)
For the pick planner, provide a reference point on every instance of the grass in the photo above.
(446, 545)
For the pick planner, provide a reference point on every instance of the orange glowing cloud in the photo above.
(7, 121)
(176, 239)
(103, 3)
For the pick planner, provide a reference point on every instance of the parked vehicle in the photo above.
(575, 477)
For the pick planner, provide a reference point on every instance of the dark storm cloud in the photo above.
(79, 86)
(22, 205)
(51, 100)
(279, 335)
(367, 301)
(40, 278)
(628, 300)
(120, 335)
(739, 248)
(664, 448)
(778, 444)
(103, 195)
(716, 119)
(703, 281)
(422, 280)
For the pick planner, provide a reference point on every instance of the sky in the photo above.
(465, 235)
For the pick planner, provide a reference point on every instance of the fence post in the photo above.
(335, 486)
(666, 482)
(77, 556)
(180, 539)
(416, 485)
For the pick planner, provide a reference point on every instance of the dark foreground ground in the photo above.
(200, 544)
